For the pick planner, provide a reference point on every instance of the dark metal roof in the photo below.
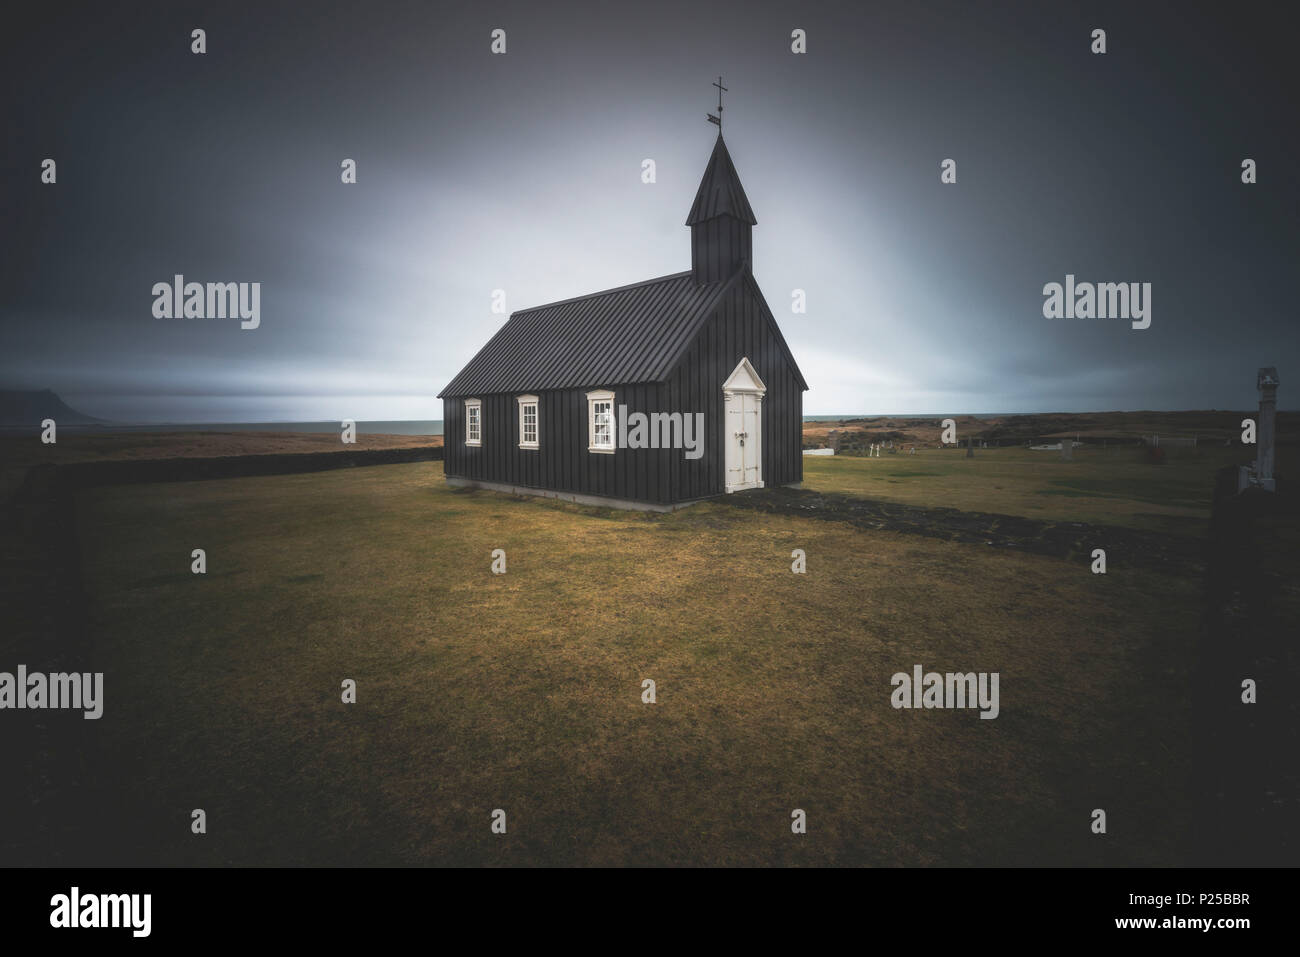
(720, 192)
(619, 336)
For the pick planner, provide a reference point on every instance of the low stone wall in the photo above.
(1066, 540)
(44, 480)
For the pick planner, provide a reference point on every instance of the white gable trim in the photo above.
(744, 378)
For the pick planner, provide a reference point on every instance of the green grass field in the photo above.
(1114, 486)
(523, 691)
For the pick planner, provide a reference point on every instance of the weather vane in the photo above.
(717, 120)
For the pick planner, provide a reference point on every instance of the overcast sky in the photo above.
(523, 172)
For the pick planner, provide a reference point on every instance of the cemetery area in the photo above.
(1115, 475)
(1114, 486)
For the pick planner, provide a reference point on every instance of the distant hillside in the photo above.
(1207, 425)
(26, 409)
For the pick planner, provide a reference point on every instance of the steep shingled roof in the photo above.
(720, 191)
(616, 337)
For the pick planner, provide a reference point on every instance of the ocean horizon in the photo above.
(429, 427)
(377, 427)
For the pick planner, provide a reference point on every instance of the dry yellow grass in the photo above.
(523, 691)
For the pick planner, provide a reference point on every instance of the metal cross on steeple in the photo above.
(718, 119)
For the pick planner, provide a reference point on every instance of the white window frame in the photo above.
(525, 402)
(593, 398)
(475, 406)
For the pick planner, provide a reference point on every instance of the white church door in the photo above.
(742, 435)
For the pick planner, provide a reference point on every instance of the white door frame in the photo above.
(742, 393)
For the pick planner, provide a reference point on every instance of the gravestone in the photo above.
(1261, 473)
(1266, 382)
(1067, 449)
(970, 448)
(833, 440)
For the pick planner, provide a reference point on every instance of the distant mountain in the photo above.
(26, 409)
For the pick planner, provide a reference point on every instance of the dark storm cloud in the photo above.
(522, 172)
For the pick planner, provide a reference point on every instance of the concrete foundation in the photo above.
(577, 498)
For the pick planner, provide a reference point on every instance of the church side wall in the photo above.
(562, 462)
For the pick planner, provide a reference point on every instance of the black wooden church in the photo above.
(648, 395)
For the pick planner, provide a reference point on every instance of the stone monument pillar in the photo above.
(1265, 432)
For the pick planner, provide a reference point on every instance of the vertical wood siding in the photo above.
(739, 329)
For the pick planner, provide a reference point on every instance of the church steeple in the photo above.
(720, 220)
